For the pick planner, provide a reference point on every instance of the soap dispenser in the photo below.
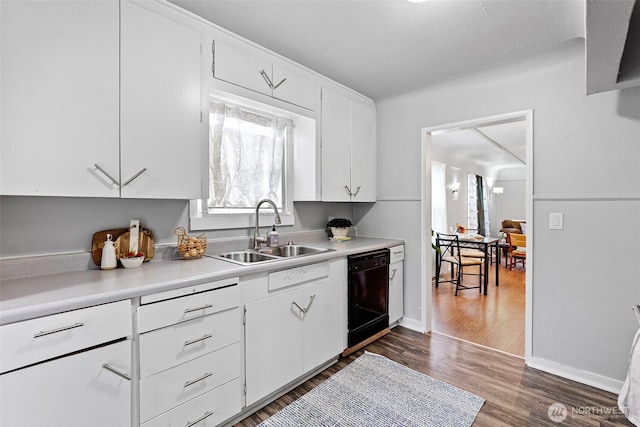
(109, 260)
(273, 238)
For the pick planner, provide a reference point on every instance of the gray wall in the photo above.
(508, 205)
(45, 225)
(586, 164)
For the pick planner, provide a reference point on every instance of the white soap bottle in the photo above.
(108, 260)
(272, 240)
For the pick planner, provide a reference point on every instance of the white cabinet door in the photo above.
(292, 87)
(273, 335)
(336, 147)
(240, 68)
(363, 152)
(160, 106)
(396, 292)
(59, 103)
(293, 332)
(262, 75)
(323, 323)
(71, 391)
(348, 149)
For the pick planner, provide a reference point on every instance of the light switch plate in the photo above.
(556, 221)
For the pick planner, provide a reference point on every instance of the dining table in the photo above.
(484, 244)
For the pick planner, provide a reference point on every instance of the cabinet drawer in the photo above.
(207, 410)
(75, 390)
(35, 340)
(165, 313)
(396, 253)
(163, 348)
(167, 389)
(296, 276)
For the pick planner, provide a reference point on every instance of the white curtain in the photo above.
(246, 157)
(438, 197)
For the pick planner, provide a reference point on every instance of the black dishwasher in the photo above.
(368, 298)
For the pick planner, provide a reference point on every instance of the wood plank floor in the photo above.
(495, 320)
(515, 394)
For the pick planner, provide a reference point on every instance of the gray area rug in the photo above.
(376, 391)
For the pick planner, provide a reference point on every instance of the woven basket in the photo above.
(191, 247)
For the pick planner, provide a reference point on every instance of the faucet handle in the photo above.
(290, 242)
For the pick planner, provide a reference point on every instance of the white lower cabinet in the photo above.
(294, 330)
(76, 373)
(207, 410)
(396, 284)
(190, 358)
(184, 382)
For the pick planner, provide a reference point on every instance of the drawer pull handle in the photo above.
(55, 331)
(202, 418)
(116, 371)
(197, 340)
(197, 380)
(191, 310)
(304, 310)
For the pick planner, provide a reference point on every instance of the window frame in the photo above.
(225, 218)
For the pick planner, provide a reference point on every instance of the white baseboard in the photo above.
(412, 324)
(584, 377)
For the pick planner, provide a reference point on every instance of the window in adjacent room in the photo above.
(473, 205)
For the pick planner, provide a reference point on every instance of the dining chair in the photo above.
(449, 252)
(517, 249)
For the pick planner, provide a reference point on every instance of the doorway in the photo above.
(429, 149)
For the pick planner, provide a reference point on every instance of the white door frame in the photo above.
(426, 272)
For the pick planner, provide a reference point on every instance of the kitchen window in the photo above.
(250, 155)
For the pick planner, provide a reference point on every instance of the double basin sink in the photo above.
(251, 256)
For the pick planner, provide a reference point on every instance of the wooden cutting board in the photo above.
(146, 243)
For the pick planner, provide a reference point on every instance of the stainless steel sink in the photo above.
(245, 257)
(251, 256)
(298, 250)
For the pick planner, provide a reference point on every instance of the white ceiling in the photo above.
(382, 48)
(488, 150)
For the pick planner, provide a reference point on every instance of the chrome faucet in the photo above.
(257, 239)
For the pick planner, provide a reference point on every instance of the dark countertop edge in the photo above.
(219, 270)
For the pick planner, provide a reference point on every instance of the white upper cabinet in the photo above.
(349, 159)
(161, 131)
(59, 103)
(99, 101)
(261, 74)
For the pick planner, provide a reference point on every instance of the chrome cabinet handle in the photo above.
(393, 274)
(197, 380)
(104, 172)
(191, 310)
(266, 78)
(304, 310)
(278, 85)
(140, 172)
(197, 340)
(357, 191)
(116, 371)
(55, 331)
(202, 418)
(348, 190)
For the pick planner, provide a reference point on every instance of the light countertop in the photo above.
(31, 297)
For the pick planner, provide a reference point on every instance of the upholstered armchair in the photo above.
(512, 226)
